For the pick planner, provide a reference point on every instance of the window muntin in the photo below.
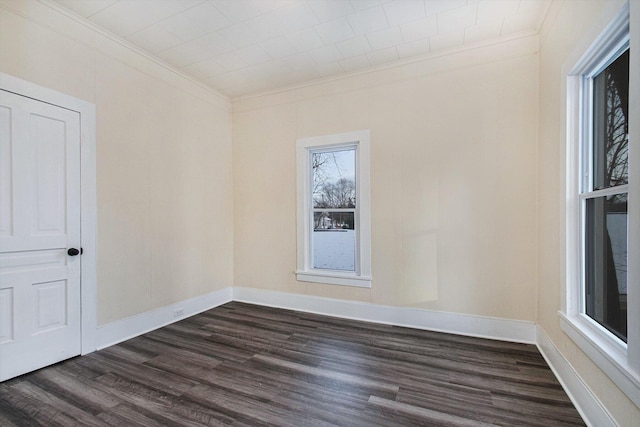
(604, 196)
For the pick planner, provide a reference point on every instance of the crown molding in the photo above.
(20, 9)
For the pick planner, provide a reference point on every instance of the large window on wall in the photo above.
(333, 209)
(605, 162)
(602, 308)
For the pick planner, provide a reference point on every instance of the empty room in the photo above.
(320, 212)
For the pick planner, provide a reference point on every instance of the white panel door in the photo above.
(39, 222)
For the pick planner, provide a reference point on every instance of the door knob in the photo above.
(73, 252)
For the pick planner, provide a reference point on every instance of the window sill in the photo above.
(610, 358)
(334, 278)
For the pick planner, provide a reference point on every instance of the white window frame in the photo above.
(619, 361)
(305, 272)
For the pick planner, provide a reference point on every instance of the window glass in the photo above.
(606, 262)
(334, 179)
(334, 209)
(611, 124)
(334, 241)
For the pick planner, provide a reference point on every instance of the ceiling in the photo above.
(244, 47)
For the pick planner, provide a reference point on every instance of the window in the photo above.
(333, 209)
(600, 216)
(605, 165)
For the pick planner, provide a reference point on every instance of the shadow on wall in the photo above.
(419, 284)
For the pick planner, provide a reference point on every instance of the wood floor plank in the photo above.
(58, 382)
(246, 365)
(165, 408)
(427, 414)
(342, 378)
(69, 408)
(124, 415)
(34, 411)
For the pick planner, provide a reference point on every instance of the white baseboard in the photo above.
(590, 408)
(454, 323)
(122, 330)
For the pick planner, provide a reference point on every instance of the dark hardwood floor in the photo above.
(246, 365)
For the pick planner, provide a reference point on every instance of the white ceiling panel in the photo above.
(368, 20)
(300, 62)
(457, 19)
(231, 61)
(365, 4)
(240, 47)
(402, 11)
(489, 9)
(266, 27)
(354, 47)
(420, 29)
(128, 16)
(254, 54)
(335, 31)
(386, 38)
(305, 40)
(329, 10)
(434, 7)
(278, 47)
(204, 18)
(297, 16)
(326, 54)
(238, 11)
(155, 38)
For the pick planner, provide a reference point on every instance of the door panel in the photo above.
(49, 180)
(39, 220)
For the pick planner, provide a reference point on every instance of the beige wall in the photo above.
(453, 181)
(165, 214)
(569, 25)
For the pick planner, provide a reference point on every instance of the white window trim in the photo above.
(619, 361)
(304, 272)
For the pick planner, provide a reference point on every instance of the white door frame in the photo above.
(88, 205)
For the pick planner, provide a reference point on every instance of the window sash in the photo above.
(586, 191)
(586, 135)
(582, 303)
(313, 210)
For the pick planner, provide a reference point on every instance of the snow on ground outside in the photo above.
(334, 250)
